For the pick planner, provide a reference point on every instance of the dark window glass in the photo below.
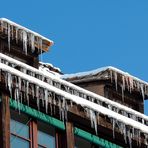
(81, 143)
(19, 128)
(18, 142)
(46, 136)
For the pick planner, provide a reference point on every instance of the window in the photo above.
(46, 136)
(81, 143)
(29, 133)
(19, 128)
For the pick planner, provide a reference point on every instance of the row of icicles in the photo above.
(27, 38)
(17, 85)
(129, 83)
(76, 92)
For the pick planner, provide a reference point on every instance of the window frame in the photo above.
(33, 131)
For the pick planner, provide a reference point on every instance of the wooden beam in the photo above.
(5, 121)
(70, 135)
(34, 134)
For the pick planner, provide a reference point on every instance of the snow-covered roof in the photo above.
(49, 68)
(129, 118)
(99, 70)
(78, 100)
(109, 72)
(14, 30)
(69, 85)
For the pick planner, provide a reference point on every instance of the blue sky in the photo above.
(88, 34)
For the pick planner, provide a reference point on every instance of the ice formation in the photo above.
(128, 80)
(45, 85)
(18, 32)
(69, 87)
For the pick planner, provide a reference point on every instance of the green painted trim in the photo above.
(59, 124)
(37, 114)
(94, 139)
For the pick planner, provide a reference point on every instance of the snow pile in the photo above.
(49, 68)
(18, 32)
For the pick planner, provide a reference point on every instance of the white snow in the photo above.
(44, 65)
(76, 99)
(74, 87)
(131, 81)
(96, 71)
(24, 28)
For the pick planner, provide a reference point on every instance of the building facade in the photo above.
(43, 108)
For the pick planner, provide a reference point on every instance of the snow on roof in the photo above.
(99, 70)
(49, 68)
(26, 34)
(78, 100)
(75, 87)
(83, 74)
(96, 71)
(24, 28)
(50, 65)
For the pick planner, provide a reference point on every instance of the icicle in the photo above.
(19, 83)
(98, 117)
(111, 76)
(113, 124)
(32, 90)
(37, 97)
(124, 132)
(138, 86)
(129, 138)
(16, 34)
(9, 79)
(50, 102)
(146, 139)
(71, 103)
(5, 75)
(40, 46)
(16, 95)
(133, 132)
(87, 112)
(60, 106)
(46, 100)
(130, 84)
(54, 102)
(41, 96)
(145, 89)
(93, 120)
(116, 80)
(25, 41)
(6, 27)
(139, 137)
(2, 25)
(127, 82)
(123, 87)
(27, 91)
(142, 91)
(32, 43)
(9, 35)
(66, 109)
(12, 31)
(63, 108)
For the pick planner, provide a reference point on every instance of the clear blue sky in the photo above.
(88, 33)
